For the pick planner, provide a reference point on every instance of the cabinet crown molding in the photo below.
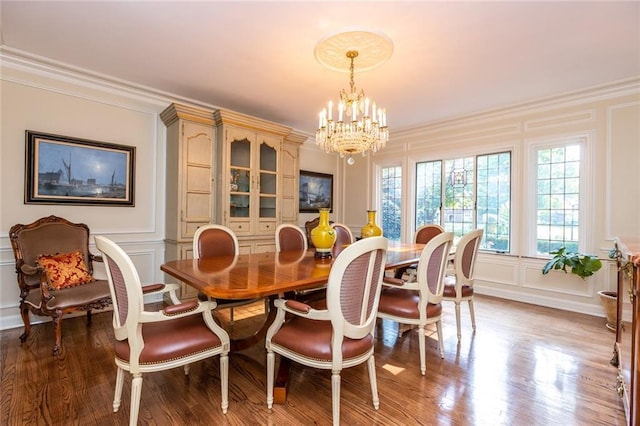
(224, 116)
(178, 111)
(296, 137)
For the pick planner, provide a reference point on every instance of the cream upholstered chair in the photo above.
(290, 238)
(459, 286)
(423, 235)
(147, 341)
(341, 335)
(213, 240)
(419, 303)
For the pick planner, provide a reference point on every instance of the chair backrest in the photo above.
(309, 225)
(47, 235)
(431, 269)
(353, 290)
(465, 259)
(343, 234)
(425, 233)
(126, 290)
(213, 240)
(290, 238)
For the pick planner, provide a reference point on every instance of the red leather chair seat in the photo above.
(171, 340)
(404, 303)
(313, 339)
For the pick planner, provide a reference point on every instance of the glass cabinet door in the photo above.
(240, 179)
(268, 180)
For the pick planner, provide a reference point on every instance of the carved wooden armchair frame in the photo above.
(52, 235)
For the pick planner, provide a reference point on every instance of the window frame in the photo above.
(585, 219)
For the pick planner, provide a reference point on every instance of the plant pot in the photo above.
(609, 301)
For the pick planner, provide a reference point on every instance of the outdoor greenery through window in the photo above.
(463, 194)
(558, 200)
(391, 202)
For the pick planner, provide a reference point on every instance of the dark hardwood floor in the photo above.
(525, 365)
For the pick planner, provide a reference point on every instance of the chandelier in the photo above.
(357, 125)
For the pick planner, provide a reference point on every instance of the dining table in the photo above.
(270, 275)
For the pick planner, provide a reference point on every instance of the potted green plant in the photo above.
(582, 265)
(585, 265)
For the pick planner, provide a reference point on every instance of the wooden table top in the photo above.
(264, 274)
(630, 249)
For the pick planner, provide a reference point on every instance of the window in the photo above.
(458, 195)
(463, 194)
(493, 206)
(428, 193)
(558, 197)
(391, 202)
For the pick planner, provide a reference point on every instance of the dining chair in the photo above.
(309, 226)
(423, 235)
(213, 240)
(419, 302)
(344, 237)
(149, 341)
(290, 238)
(459, 285)
(340, 336)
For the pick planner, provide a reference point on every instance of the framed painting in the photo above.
(316, 191)
(65, 170)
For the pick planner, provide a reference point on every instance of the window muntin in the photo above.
(391, 217)
(557, 197)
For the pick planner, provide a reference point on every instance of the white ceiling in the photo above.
(449, 59)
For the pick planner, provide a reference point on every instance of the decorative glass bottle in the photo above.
(371, 229)
(323, 236)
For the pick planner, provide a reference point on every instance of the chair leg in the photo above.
(231, 316)
(335, 396)
(224, 382)
(136, 391)
(440, 338)
(187, 367)
(422, 346)
(117, 398)
(458, 320)
(89, 317)
(371, 364)
(57, 328)
(24, 313)
(473, 315)
(271, 360)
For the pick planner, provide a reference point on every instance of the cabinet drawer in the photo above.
(267, 227)
(240, 228)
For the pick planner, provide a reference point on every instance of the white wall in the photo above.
(610, 118)
(44, 99)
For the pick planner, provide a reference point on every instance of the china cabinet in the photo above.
(257, 169)
(189, 170)
(628, 330)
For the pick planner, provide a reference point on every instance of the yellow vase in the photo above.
(371, 229)
(323, 236)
